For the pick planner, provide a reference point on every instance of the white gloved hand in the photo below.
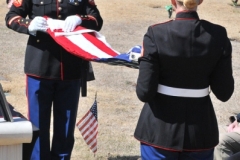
(38, 24)
(71, 22)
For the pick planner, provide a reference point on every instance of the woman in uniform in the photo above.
(183, 60)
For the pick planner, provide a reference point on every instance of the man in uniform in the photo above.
(53, 76)
(182, 60)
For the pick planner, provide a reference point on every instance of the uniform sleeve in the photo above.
(92, 19)
(147, 81)
(222, 82)
(16, 17)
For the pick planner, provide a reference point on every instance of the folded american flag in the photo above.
(90, 45)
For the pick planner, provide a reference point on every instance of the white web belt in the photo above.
(180, 92)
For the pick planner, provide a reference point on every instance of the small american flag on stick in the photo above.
(88, 126)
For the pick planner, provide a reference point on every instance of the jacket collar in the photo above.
(187, 15)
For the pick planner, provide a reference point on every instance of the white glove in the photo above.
(38, 24)
(71, 22)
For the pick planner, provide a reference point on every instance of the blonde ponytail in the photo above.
(190, 4)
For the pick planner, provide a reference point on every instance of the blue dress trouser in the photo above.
(152, 153)
(62, 98)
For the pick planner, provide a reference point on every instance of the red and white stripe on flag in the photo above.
(82, 42)
(88, 126)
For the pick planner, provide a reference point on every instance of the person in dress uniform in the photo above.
(54, 77)
(183, 60)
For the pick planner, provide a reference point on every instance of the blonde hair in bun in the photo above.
(189, 4)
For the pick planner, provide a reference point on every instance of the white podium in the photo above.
(17, 134)
(12, 136)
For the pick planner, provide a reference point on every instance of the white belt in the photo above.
(180, 92)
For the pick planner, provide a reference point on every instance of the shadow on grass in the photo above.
(125, 158)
